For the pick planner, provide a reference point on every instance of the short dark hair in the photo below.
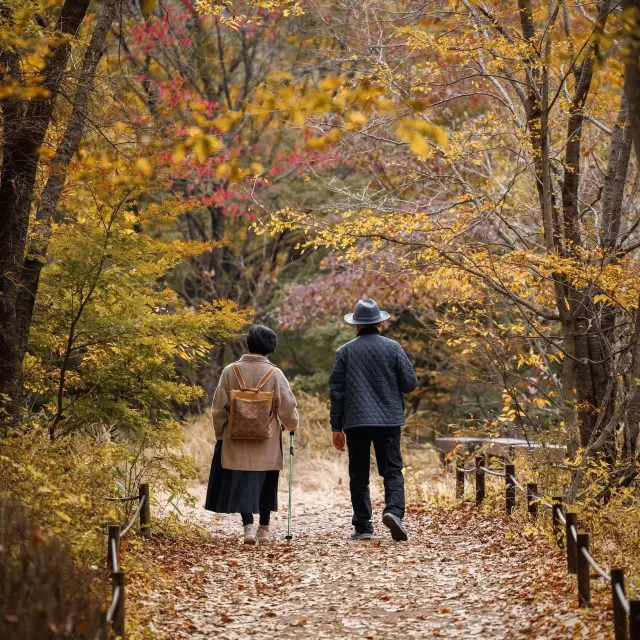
(261, 340)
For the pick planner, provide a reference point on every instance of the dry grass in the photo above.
(318, 466)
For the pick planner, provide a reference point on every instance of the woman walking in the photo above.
(251, 406)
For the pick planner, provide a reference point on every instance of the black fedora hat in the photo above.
(366, 312)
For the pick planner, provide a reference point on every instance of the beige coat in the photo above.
(254, 455)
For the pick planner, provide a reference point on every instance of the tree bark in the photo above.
(39, 241)
(632, 73)
(632, 92)
(24, 130)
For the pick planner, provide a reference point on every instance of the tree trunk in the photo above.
(25, 127)
(632, 75)
(632, 92)
(39, 242)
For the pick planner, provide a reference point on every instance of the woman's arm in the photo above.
(220, 406)
(285, 404)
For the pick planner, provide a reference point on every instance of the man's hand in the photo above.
(338, 440)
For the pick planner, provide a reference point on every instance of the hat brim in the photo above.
(349, 319)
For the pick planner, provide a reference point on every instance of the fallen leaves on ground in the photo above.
(459, 576)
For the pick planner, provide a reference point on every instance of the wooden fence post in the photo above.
(572, 520)
(145, 512)
(460, 479)
(103, 633)
(532, 500)
(555, 513)
(510, 488)
(114, 534)
(634, 620)
(619, 615)
(583, 571)
(480, 484)
(117, 580)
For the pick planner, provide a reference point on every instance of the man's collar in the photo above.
(368, 330)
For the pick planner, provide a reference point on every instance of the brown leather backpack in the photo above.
(250, 409)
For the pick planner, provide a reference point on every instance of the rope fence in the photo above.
(114, 619)
(567, 533)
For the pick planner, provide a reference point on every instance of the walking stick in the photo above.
(289, 537)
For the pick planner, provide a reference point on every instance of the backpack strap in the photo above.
(241, 382)
(265, 377)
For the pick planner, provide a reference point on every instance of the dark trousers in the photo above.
(265, 518)
(386, 444)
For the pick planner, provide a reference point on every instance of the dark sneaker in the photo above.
(362, 535)
(394, 524)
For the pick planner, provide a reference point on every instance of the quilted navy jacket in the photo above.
(367, 381)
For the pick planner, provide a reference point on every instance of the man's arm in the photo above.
(336, 391)
(406, 376)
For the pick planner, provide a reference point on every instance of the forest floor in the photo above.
(462, 574)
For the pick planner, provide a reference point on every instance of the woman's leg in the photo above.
(269, 497)
(247, 518)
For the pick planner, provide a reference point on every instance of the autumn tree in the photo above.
(524, 219)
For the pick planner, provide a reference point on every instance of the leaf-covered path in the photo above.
(457, 577)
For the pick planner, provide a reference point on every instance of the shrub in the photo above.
(43, 593)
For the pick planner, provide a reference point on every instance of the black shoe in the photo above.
(362, 535)
(394, 524)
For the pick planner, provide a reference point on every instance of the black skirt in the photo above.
(231, 491)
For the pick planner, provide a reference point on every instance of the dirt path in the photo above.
(458, 576)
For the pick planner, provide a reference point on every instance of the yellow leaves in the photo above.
(280, 77)
(201, 144)
(355, 119)
(34, 62)
(331, 83)
(122, 127)
(148, 7)
(297, 117)
(417, 144)
(18, 92)
(179, 153)
(415, 132)
(65, 517)
(223, 170)
(317, 143)
(227, 121)
(202, 147)
(144, 164)
(256, 168)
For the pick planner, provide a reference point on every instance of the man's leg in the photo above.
(359, 446)
(386, 443)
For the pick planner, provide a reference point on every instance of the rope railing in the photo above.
(574, 532)
(595, 566)
(491, 472)
(114, 555)
(518, 485)
(626, 613)
(114, 617)
(135, 517)
(622, 599)
(114, 604)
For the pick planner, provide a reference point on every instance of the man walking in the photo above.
(367, 381)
